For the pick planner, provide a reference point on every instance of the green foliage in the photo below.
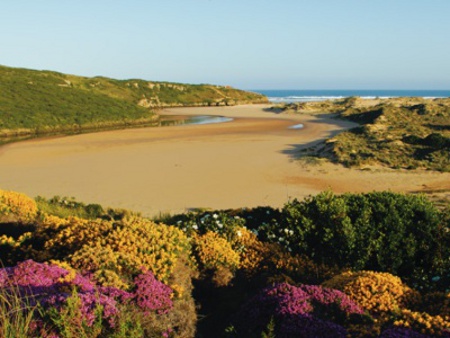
(65, 207)
(16, 314)
(307, 241)
(270, 330)
(129, 325)
(382, 231)
(46, 102)
(70, 321)
(43, 102)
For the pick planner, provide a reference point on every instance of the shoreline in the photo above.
(247, 162)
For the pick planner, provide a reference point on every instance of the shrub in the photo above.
(303, 311)
(17, 206)
(216, 254)
(152, 295)
(401, 332)
(376, 292)
(114, 253)
(295, 268)
(361, 231)
(77, 307)
(424, 323)
(129, 246)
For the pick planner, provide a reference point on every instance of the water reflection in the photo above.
(163, 121)
(296, 126)
(176, 120)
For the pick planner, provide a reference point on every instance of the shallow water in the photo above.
(164, 121)
(175, 120)
(296, 126)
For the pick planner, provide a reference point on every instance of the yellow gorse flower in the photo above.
(18, 205)
(377, 292)
(423, 322)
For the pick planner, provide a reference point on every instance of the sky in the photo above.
(248, 44)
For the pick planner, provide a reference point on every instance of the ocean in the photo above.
(292, 95)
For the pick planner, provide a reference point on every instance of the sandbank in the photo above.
(248, 162)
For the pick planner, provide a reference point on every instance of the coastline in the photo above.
(247, 162)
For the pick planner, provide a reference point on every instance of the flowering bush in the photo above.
(376, 292)
(128, 247)
(18, 205)
(215, 253)
(152, 295)
(65, 236)
(401, 332)
(297, 268)
(434, 303)
(303, 311)
(113, 253)
(80, 301)
(361, 231)
(252, 252)
(424, 323)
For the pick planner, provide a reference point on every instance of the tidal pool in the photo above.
(175, 120)
(296, 126)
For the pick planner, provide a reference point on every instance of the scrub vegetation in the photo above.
(406, 133)
(44, 102)
(351, 265)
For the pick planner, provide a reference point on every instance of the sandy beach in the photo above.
(247, 162)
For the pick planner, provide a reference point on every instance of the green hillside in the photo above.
(39, 102)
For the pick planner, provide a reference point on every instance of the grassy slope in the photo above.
(43, 101)
(399, 133)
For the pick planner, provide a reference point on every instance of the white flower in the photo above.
(239, 233)
(280, 239)
(195, 227)
(220, 225)
(216, 216)
(291, 232)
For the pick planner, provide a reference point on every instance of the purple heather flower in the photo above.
(46, 284)
(401, 332)
(303, 311)
(151, 294)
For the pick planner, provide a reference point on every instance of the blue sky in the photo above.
(249, 44)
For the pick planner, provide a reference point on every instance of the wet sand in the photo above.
(248, 162)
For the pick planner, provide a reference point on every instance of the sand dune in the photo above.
(244, 163)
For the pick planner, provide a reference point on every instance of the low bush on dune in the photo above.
(407, 133)
(356, 265)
